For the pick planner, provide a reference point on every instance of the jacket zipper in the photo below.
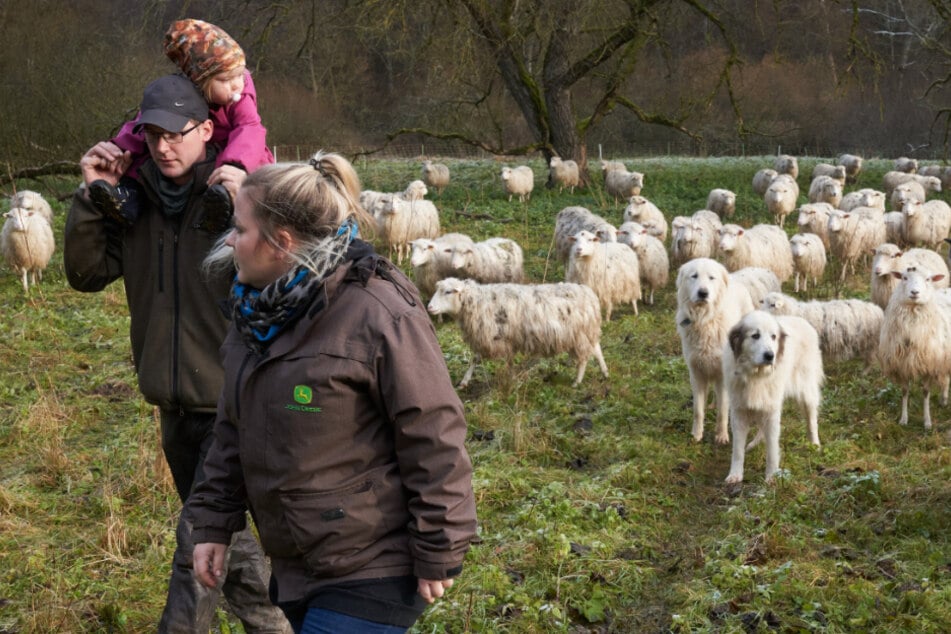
(176, 321)
(161, 263)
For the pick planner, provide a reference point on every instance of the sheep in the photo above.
(809, 259)
(907, 165)
(620, 183)
(435, 175)
(895, 228)
(29, 199)
(781, 197)
(891, 179)
(374, 202)
(786, 164)
(607, 166)
(927, 223)
(762, 179)
(943, 172)
(501, 320)
(853, 166)
(646, 213)
(27, 244)
(722, 202)
(848, 328)
(563, 174)
(853, 234)
(609, 268)
(915, 338)
(652, 260)
(765, 246)
(487, 262)
(518, 181)
(889, 258)
(814, 218)
(836, 172)
(759, 282)
(571, 220)
(404, 220)
(697, 237)
(907, 191)
(866, 197)
(431, 260)
(825, 189)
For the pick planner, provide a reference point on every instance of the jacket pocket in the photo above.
(336, 531)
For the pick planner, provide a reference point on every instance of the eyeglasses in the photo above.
(172, 138)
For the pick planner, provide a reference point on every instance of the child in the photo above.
(216, 64)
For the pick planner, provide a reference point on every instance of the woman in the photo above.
(338, 426)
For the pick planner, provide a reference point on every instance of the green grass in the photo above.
(598, 513)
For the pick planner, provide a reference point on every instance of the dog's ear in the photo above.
(736, 339)
(782, 345)
(725, 276)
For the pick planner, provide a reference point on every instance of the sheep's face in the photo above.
(799, 246)
(447, 298)
(729, 238)
(915, 287)
(836, 222)
(423, 251)
(885, 260)
(584, 244)
(773, 303)
(911, 206)
(461, 257)
(19, 218)
(806, 216)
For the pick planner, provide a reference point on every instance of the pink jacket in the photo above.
(238, 132)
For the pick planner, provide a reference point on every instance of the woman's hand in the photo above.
(209, 560)
(431, 590)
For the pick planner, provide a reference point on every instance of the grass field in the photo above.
(598, 513)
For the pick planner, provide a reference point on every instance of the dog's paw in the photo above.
(722, 439)
(734, 478)
(697, 438)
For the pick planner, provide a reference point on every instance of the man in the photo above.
(176, 323)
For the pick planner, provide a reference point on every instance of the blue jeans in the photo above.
(321, 621)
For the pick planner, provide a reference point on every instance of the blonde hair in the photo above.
(310, 200)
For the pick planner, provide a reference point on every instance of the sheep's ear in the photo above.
(896, 275)
(937, 277)
(596, 239)
(740, 232)
(571, 239)
(736, 339)
(644, 230)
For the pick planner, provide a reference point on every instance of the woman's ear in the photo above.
(285, 241)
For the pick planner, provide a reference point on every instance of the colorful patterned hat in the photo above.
(201, 49)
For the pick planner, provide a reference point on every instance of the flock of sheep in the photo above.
(902, 326)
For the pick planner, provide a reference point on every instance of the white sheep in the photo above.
(762, 179)
(781, 197)
(907, 165)
(646, 213)
(759, 282)
(847, 328)
(491, 261)
(942, 172)
(402, 221)
(571, 220)
(888, 258)
(620, 183)
(697, 237)
(926, 223)
(809, 259)
(435, 175)
(652, 260)
(762, 245)
(722, 202)
(607, 166)
(609, 268)
(892, 179)
(814, 218)
(852, 164)
(27, 244)
(907, 191)
(836, 172)
(865, 197)
(854, 233)
(786, 164)
(825, 189)
(431, 260)
(915, 338)
(29, 199)
(564, 174)
(499, 321)
(518, 181)
(895, 228)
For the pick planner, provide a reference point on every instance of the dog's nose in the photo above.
(768, 356)
(702, 293)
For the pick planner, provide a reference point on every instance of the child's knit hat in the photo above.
(201, 49)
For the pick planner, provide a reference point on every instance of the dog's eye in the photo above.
(755, 335)
(774, 337)
(695, 276)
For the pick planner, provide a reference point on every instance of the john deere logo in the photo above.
(303, 394)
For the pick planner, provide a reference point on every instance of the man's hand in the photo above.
(230, 177)
(431, 590)
(209, 561)
(106, 161)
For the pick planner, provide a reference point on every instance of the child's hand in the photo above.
(106, 161)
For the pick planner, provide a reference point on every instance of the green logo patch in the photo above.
(303, 394)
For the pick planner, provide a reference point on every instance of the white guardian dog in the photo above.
(766, 360)
(709, 302)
